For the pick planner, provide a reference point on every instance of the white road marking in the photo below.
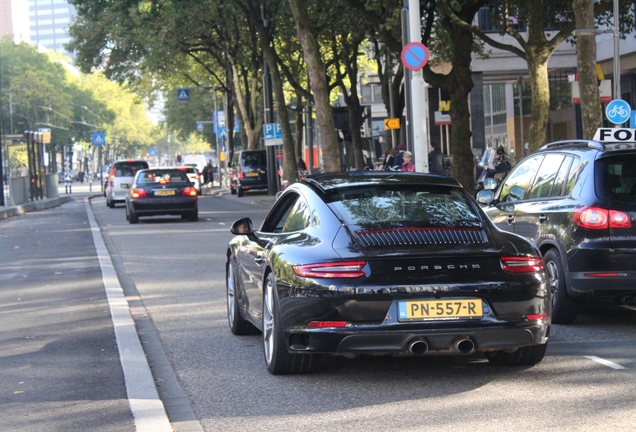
(605, 362)
(147, 409)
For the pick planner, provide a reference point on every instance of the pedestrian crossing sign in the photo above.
(99, 138)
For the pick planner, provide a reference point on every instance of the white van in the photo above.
(198, 160)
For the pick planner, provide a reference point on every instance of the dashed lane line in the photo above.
(605, 362)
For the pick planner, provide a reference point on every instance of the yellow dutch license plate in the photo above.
(419, 310)
(252, 174)
(164, 192)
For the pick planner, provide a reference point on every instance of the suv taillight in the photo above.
(600, 218)
(112, 177)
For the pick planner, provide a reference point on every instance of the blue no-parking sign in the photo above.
(618, 111)
(414, 56)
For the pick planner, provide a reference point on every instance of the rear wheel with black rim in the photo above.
(279, 361)
(238, 325)
(133, 217)
(239, 191)
(524, 356)
(564, 308)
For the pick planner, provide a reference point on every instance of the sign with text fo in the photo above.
(273, 134)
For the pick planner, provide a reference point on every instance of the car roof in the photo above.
(332, 181)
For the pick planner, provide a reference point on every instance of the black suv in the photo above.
(577, 201)
(249, 171)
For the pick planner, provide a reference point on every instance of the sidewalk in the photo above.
(79, 191)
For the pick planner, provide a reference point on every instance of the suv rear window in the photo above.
(617, 178)
(254, 160)
(129, 169)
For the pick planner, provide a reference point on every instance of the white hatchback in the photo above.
(121, 176)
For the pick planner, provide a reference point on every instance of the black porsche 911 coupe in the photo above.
(384, 263)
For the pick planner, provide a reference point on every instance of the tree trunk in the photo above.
(324, 119)
(252, 130)
(300, 126)
(290, 171)
(540, 115)
(591, 111)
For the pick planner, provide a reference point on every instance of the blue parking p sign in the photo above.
(273, 134)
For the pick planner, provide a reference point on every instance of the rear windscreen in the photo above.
(162, 177)
(616, 178)
(129, 169)
(254, 160)
(424, 206)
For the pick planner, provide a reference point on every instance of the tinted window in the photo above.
(129, 169)
(399, 206)
(279, 214)
(619, 177)
(517, 183)
(298, 218)
(546, 176)
(254, 160)
(162, 177)
(559, 182)
(573, 175)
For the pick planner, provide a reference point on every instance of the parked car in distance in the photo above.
(161, 191)
(121, 176)
(576, 200)
(384, 263)
(193, 174)
(248, 171)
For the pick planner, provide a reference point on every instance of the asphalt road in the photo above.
(173, 271)
(178, 269)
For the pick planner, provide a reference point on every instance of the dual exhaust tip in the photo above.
(464, 346)
(628, 300)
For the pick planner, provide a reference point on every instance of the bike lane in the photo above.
(59, 354)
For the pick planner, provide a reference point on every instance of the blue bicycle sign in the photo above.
(618, 111)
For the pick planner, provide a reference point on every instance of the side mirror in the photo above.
(490, 183)
(242, 227)
(484, 197)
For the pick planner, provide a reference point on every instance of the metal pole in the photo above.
(418, 125)
(523, 145)
(408, 136)
(389, 70)
(617, 54)
(268, 105)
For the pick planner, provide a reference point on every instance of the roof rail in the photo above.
(575, 143)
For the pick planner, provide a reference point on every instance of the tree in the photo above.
(591, 111)
(319, 85)
(549, 24)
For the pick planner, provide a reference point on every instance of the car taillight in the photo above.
(241, 175)
(196, 176)
(537, 317)
(600, 218)
(342, 269)
(619, 219)
(515, 264)
(324, 324)
(112, 177)
(190, 191)
(137, 193)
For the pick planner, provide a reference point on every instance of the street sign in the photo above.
(46, 135)
(414, 56)
(222, 132)
(99, 138)
(183, 95)
(391, 123)
(152, 151)
(618, 111)
(200, 126)
(273, 134)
